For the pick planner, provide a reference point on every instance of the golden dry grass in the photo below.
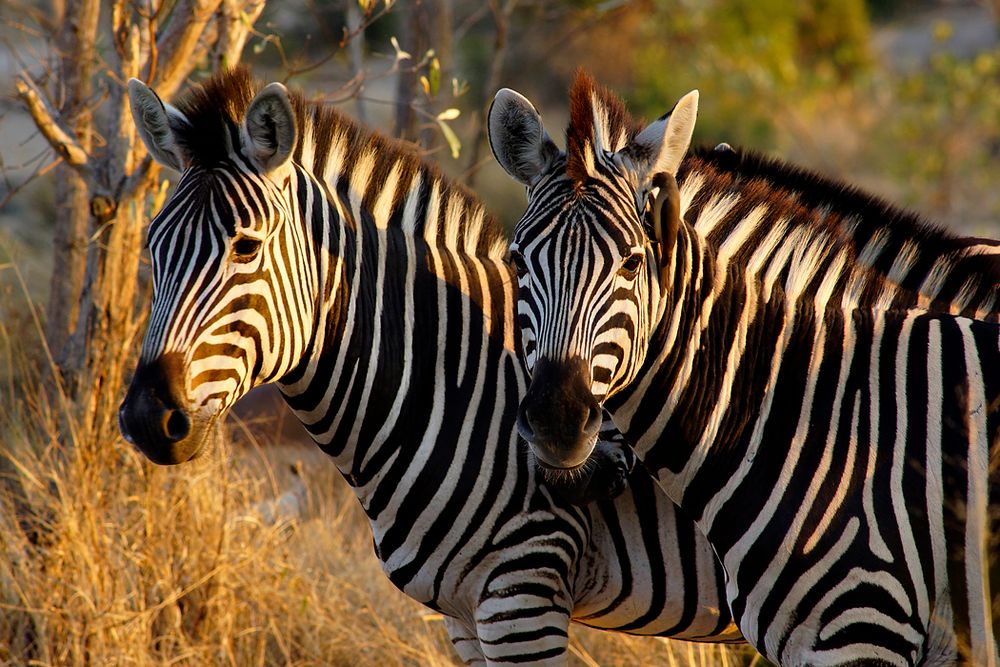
(110, 560)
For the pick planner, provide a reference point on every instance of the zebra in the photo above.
(816, 386)
(301, 249)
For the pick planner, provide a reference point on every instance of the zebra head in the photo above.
(588, 268)
(219, 322)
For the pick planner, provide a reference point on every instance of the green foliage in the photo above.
(746, 56)
(944, 126)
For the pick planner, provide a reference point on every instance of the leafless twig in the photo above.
(61, 140)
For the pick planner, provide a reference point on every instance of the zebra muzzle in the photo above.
(559, 417)
(153, 419)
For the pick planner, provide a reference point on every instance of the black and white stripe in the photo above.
(813, 375)
(380, 298)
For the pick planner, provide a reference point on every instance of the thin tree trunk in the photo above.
(76, 42)
(426, 24)
(501, 18)
(356, 52)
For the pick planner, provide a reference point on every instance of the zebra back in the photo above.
(898, 260)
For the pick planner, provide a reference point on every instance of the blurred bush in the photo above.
(746, 56)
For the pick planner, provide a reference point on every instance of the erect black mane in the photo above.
(843, 211)
(586, 98)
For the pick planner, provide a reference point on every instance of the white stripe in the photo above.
(900, 460)
(977, 537)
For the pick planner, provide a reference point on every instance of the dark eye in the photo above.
(631, 265)
(246, 247)
(518, 261)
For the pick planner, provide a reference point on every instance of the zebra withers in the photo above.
(817, 387)
(301, 249)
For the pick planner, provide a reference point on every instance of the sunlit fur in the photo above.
(804, 389)
(382, 304)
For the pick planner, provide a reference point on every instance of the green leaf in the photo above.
(453, 143)
(435, 75)
(459, 88)
(449, 114)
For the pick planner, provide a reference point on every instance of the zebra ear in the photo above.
(155, 122)
(269, 131)
(662, 145)
(517, 137)
(666, 215)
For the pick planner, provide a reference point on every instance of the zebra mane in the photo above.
(883, 241)
(598, 122)
(215, 108)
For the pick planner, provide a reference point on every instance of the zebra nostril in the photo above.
(592, 424)
(176, 425)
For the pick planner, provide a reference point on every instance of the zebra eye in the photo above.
(246, 247)
(518, 260)
(631, 265)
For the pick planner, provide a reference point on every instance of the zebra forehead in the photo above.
(575, 246)
(591, 224)
(214, 110)
(598, 122)
(198, 206)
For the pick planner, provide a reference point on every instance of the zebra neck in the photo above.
(377, 180)
(721, 337)
(733, 360)
(778, 220)
(408, 330)
(702, 318)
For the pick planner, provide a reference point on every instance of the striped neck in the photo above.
(380, 180)
(727, 336)
(417, 295)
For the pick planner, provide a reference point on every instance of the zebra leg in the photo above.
(465, 641)
(526, 625)
(606, 473)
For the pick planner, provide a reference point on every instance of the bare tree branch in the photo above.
(61, 140)
(235, 20)
(180, 39)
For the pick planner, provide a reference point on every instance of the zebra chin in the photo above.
(567, 477)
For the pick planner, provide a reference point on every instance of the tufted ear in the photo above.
(661, 146)
(156, 123)
(269, 131)
(518, 139)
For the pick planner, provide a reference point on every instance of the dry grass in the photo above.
(110, 560)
